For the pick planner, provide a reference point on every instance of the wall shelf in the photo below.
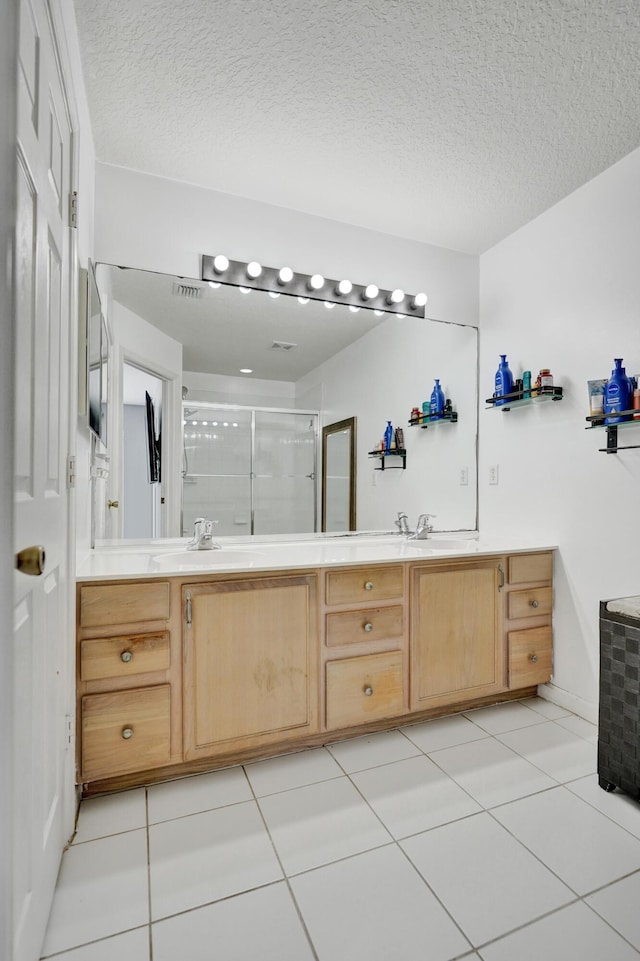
(426, 420)
(381, 455)
(515, 399)
(597, 421)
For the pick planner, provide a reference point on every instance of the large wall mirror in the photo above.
(260, 377)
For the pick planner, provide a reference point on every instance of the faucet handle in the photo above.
(423, 521)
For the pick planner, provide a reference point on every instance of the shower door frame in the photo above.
(214, 405)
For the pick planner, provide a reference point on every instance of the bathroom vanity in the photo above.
(189, 662)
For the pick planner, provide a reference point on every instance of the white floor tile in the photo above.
(443, 732)
(487, 881)
(618, 904)
(573, 934)
(490, 772)
(413, 795)
(321, 823)
(291, 771)
(131, 946)
(102, 889)
(360, 753)
(578, 725)
(504, 717)
(112, 814)
(375, 907)
(262, 924)
(548, 709)
(190, 795)
(556, 751)
(618, 806)
(579, 844)
(207, 856)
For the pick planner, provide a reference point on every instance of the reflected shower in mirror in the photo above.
(251, 351)
(339, 476)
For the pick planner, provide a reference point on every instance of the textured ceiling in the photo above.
(448, 121)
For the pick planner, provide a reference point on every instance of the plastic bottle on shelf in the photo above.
(526, 384)
(636, 404)
(503, 381)
(617, 393)
(436, 406)
(388, 436)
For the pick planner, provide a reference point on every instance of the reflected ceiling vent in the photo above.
(282, 345)
(189, 291)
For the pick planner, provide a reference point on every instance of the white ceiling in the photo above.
(447, 121)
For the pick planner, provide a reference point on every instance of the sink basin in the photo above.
(195, 560)
(442, 544)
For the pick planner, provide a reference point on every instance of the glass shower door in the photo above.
(284, 469)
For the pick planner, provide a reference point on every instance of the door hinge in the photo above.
(71, 471)
(73, 208)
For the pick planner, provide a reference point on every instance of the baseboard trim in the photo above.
(571, 702)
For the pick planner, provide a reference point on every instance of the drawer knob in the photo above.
(368, 627)
(127, 732)
(368, 586)
(534, 603)
(368, 691)
(126, 656)
(533, 658)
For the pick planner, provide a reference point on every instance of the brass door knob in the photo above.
(368, 627)
(127, 732)
(126, 656)
(368, 586)
(368, 691)
(113, 504)
(31, 560)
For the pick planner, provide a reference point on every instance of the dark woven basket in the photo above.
(619, 714)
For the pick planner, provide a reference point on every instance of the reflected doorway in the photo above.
(339, 476)
(142, 405)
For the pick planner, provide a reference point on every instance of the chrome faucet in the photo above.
(202, 539)
(423, 528)
(402, 523)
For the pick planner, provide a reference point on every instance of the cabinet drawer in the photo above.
(104, 604)
(364, 585)
(125, 731)
(530, 656)
(123, 656)
(531, 603)
(530, 567)
(361, 689)
(370, 624)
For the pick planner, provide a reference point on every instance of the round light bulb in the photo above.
(244, 290)
(234, 425)
(220, 263)
(254, 269)
(316, 282)
(246, 370)
(419, 300)
(345, 287)
(354, 310)
(329, 304)
(194, 423)
(274, 294)
(214, 284)
(370, 292)
(226, 423)
(401, 316)
(205, 423)
(285, 275)
(379, 313)
(303, 300)
(214, 423)
(396, 296)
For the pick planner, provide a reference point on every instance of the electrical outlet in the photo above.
(493, 474)
(464, 476)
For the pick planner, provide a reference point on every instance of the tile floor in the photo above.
(482, 835)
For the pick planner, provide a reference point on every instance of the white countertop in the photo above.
(166, 558)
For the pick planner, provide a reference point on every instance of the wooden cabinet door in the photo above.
(457, 649)
(250, 663)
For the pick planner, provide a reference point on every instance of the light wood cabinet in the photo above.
(362, 689)
(250, 677)
(529, 606)
(457, 647)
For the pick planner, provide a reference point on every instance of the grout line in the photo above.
(77, 947)
(146, 810)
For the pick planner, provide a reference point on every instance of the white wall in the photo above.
(564, 292)
(158, 224)
(247, 392)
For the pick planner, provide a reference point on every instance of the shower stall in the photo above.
(252, 470)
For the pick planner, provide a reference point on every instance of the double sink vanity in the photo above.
(192, 660)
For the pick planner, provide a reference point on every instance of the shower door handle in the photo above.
(311, 476)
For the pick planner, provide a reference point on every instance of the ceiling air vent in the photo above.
(189, 291)
(282, 345)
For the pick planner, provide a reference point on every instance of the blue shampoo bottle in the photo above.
(618, 394)
(437, 400)
(388, 436)
(504, 381)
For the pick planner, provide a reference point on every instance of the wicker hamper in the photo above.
(619, 713)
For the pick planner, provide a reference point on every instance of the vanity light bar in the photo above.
(283, 280)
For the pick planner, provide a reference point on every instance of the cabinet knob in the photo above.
(127, 732)
(368, 586)
(533, 658)
(126, 656)
(368, 691)
(368, 627)
(111, 504)
(534, 603)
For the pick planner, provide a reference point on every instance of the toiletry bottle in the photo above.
(437, 401)
(388, 435)
(546, 377)
(617, 393)
(526, 384)
(636, 404)
(504, 381)
(426, 411)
